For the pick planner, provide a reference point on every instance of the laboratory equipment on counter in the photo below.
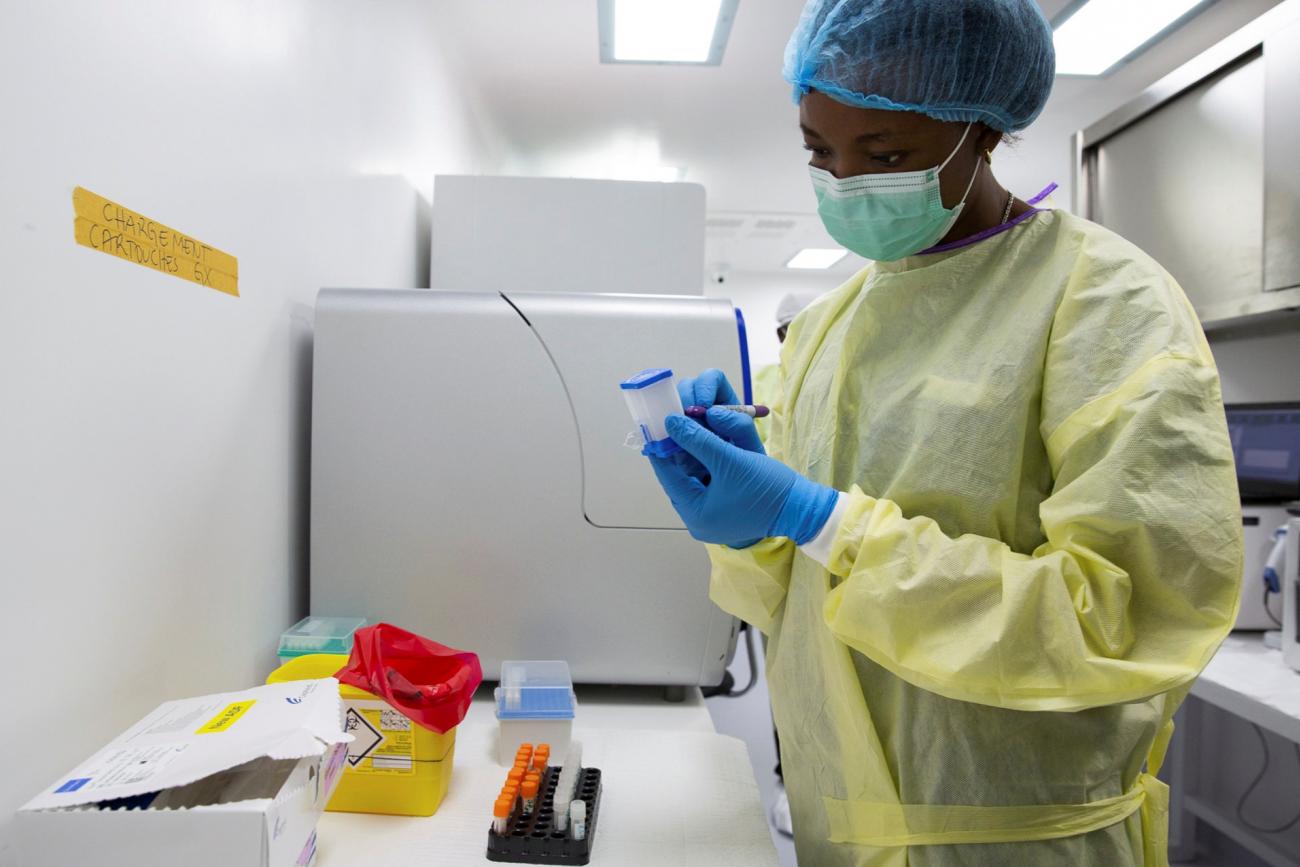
(319, 635)
(470, 479)
(534, 704)
(1275, 565)
(556, 830)
(1290, 575)
(494, 232)
(1266, 448)
(394, 766)
(1259, 521)
(651, 397)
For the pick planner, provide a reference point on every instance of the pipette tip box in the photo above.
(535, 703)
(319, 635)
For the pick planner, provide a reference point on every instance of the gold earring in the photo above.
(988, 156)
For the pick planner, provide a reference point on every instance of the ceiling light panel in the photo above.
(665, 31)
(816, 258)
(1101, 33)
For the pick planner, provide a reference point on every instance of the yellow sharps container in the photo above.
(394, 765)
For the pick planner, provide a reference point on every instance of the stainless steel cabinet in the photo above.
(1203, 172)
(1186, 185)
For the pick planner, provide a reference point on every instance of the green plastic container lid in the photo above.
(319, 635)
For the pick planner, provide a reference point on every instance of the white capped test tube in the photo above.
(567, 785)
(512, 681)
(561, 799)
(578, 816)
(573, 759)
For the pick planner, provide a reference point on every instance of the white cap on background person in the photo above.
(792, 304)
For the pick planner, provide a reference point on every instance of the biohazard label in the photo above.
(384, 742)
(365, 737)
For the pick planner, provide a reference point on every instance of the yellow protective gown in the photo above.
(1041, 551)
(766, 385)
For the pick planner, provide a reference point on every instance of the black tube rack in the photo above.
(532, 839)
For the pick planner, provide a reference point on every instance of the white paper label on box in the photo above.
(124, 767)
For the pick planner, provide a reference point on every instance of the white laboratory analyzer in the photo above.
(474, 477)
(1266, 448)
(1288, 572)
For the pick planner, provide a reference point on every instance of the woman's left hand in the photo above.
(744, 496)
(712, 390)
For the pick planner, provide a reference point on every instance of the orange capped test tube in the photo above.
(529, 792)
(501, 814)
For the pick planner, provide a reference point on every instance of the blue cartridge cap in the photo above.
(660, 448)
(645, 377)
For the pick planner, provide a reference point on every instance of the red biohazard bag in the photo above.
(430, 683)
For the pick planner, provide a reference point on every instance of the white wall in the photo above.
(153, 442)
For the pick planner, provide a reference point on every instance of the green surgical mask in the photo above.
(888, 215)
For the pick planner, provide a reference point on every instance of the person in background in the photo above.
(995, 534)
(767, 380)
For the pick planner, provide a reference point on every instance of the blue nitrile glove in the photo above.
(745, 497)
(710, 389)
(736, 428)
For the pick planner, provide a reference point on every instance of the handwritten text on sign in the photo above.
(110, 228)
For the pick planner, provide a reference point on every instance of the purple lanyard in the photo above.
(995, 230)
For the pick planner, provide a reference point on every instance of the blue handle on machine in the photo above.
(746, 388)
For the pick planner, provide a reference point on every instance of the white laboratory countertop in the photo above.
(675, 792)
(1250, 680)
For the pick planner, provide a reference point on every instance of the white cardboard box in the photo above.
(240, 779)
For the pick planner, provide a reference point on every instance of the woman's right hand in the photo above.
(711, 389)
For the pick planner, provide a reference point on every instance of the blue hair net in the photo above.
(987, 61)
